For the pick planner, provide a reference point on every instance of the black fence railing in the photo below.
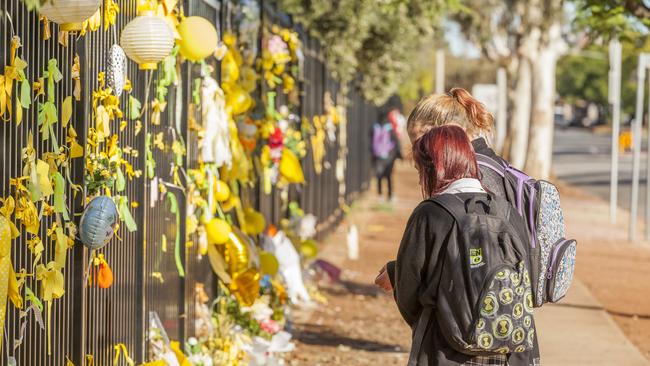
(88, 320)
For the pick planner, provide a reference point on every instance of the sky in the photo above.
(459, 46)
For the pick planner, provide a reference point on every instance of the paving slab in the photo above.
(578, 331)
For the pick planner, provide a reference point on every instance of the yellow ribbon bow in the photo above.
(8, 283)
(120, 349)
(52, 287)
(75, 74)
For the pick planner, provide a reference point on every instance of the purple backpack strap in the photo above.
(488, 162)
(522, 178)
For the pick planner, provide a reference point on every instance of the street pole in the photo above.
(502, 105)
(636, 141)
(440, 71)
(615, 100)
(647, 196)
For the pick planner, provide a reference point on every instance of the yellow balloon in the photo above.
(229, 69)
(221, 190)
(218, 231)
(290, 167)
(238, 100)
(246, 286)
(255, 222)
(268, 263)
(236, 253)
(309, 249)
(198, 38)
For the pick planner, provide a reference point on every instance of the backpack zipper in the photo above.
(560, 248)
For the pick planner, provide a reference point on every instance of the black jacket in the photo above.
(417, 264)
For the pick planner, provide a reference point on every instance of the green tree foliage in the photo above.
(583, 76)
(371, 42)
(607, 18)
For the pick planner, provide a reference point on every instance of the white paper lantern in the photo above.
(147, 39)
(116, 69)
(69, 14)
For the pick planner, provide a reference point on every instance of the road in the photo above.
(583, 159)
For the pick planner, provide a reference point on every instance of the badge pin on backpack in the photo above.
(552, 255)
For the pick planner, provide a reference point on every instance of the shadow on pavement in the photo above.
(323, 336)
(352, 288)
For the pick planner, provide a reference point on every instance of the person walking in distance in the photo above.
(385, 150)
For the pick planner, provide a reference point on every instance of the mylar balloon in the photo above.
(98, 222)
(218, 231)
(236, 253)
(116, 69)
(198, 38)
(246, 286)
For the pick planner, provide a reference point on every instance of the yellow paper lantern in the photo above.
(221, 191)
(254, 222)
(198, 38)
(268, 263)
(238, 100)
(147, 39)
(290, 167)
(218, 231)
(69, 14)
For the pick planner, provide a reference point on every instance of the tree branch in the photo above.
(637, 8)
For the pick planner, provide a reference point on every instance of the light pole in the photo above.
(615, 100)
(636, 141)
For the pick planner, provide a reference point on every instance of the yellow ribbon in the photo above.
(75, 75)
(120, 349)
(8, 283)
(92, 24)
(46, 27)
(110, 13)
(157, 107)
(52, 283)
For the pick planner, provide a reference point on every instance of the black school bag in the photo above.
(484, 300)
(538, 202)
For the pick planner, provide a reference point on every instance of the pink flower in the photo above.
(276, 45)
(270, 326)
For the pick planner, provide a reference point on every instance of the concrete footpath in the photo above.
(578, 331)
(361, 326)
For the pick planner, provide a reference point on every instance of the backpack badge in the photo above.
(476, 257)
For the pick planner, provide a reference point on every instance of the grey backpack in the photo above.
(483, 299)
(552, 256)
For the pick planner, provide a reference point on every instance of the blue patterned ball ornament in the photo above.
(98, 222)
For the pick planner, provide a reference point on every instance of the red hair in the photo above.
(443, 155)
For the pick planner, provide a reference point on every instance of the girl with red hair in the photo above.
(446, 163)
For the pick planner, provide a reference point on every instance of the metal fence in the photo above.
(91, 321)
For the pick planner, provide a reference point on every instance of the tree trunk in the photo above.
(520, 116)
(540, 146)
